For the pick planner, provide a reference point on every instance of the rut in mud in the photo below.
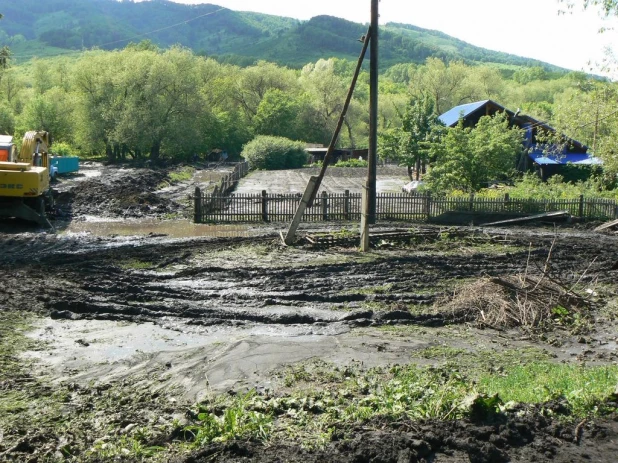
(184, 280)
(256, 282)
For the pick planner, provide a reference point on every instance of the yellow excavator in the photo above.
(25, 192)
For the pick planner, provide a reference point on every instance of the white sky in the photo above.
(530, 28)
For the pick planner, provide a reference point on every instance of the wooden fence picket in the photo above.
(220, 206)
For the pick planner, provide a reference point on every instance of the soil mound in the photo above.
(128, 193)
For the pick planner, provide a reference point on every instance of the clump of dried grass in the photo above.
(532, 302)
(514, 301)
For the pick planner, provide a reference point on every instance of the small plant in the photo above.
(236, 420)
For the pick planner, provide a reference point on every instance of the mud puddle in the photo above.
(199, 360)
(170, 228)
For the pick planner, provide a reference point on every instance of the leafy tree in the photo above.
(255, 81)
(327, 92)
(410, 143)
(274, 153)
(277, 115)
(7, 120)
(51, 112)
(467, 158)
(446, 84)
(527, 75)
(609, 7)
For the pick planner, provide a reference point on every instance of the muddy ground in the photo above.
(180, 320)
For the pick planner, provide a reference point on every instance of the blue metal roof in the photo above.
(452, 116)
(581, 159)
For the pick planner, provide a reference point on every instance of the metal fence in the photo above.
(219, 207)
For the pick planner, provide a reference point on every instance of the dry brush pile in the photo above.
(536, 300)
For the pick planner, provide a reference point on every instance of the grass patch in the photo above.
(182, 174)
(325, 397)
(585, 388)
(136, 265)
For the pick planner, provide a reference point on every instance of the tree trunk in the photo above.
(109, 152)
(155, 151)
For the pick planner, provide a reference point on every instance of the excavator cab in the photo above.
(24, 178)
(7, 149)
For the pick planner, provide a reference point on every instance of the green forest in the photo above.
(143, 101)
(229, 36)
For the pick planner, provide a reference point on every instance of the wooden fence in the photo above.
(219, 207)
(226, 185)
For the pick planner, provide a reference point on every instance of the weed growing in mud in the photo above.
(228, 420)
(323, 397)
(40, 421)
(369, 290)
(183, 174)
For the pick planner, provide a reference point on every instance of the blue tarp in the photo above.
(451, 117)
(570, 158)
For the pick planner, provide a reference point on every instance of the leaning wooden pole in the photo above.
(315, 181)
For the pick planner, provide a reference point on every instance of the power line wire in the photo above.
(128, 39)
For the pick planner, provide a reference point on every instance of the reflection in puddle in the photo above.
(170, 228)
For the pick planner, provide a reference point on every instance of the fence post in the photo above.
(346, 205)
(471, 204)
(264, 206)
(581, 206)
(616, 212)
(197, 205)
(428, 205)
(324, 205)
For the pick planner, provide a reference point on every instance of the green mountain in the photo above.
(36, 28)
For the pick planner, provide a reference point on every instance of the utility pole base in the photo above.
(304, 202)
(364, 226)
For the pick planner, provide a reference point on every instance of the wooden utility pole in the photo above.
(373, 112)
(370, 191)
(315, 181)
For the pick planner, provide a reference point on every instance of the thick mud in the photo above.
(205, 315)
(528, 438)
(114, 192)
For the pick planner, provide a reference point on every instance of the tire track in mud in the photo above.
(77, 279)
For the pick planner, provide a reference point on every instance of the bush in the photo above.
(352, 163)
(275, 153)
(62, 149)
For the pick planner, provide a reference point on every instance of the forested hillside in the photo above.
(143, 100)
(236, 37)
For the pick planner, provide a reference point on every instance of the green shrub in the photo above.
(62, 149)
(274, 153)
(352, 163)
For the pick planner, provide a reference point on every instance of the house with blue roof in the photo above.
(546, 159)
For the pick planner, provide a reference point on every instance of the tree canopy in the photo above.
(467, 158)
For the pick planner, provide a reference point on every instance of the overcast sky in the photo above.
(530, 28)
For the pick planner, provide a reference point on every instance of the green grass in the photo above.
(182, 174)
(584, 388)
(321, 396)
